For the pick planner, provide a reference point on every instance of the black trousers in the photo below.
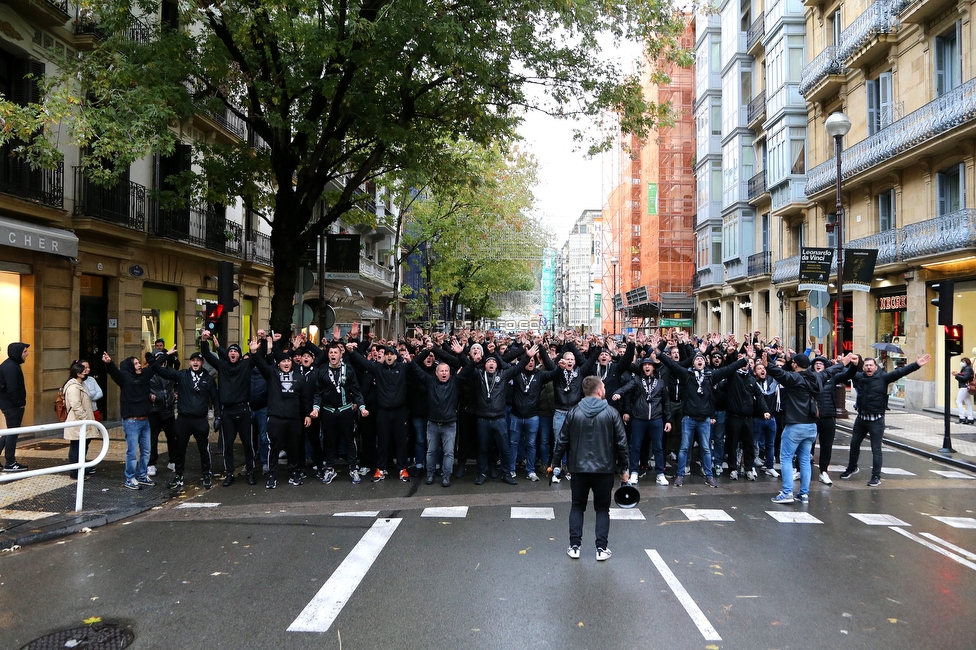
(392, 425)
(336, 424)
(14, 418)
(157, 424)
(739, 429)
(874, 429)
(602, 486)
(73, 446)
(234, 424)
(466, 440)
(199, 429)
(366, 453)
(285, 433)
(826, 428)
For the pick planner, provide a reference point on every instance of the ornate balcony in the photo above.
(945, 113)
(258, 249)
(861, 41)
(123, 204)
(760, 264)
(19, 178)
(951, 232)
(919, 11)
(755, 34)
(786, 270)
(757, 185)
(816, 78)
(757, 110)
(201, 225)
(709, 276)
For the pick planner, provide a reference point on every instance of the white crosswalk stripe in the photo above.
(951, 474)
(533, 513)
(957, 522)
(696, 514)
(459, 512)
(787, 517)
(878, 520)
(631, 514)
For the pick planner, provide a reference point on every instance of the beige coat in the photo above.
(79, 404)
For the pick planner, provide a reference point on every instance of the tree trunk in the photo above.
(287, 248)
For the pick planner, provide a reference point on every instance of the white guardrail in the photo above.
(80, 466)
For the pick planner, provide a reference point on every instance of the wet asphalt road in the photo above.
(239, 574)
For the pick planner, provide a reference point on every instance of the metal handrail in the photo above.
(79, 467)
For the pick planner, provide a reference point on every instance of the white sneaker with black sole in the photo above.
(573, 552)
(825, 479)
(602, 554)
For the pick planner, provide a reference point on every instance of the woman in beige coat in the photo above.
(79, 403)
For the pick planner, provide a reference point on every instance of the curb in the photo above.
(63, 525)
(904, 446)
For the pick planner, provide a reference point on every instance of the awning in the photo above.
(348, 312)
(41, 239)
(371, 313)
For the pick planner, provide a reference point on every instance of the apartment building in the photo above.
(582, 273)
(905, 74)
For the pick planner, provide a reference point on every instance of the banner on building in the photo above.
(815, 268)
(342, 254)
(859, 268)
(651, 199)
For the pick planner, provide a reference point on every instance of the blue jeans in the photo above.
(544, 448)
(558, 417)
(440, 438)
(797, 439)
(488, 429)
(519, 428)
(766, 436)
(136, 442)
(718, 440)
(701, 429)
(259, 432)
(420, 441)
(638, 429)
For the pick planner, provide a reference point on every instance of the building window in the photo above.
(948, 60)
(716, 245)
(879, 102)
(798, 157)
(730, 237)
(765, 232)
(835, 28)
(716, 191)
(715, 115)
(951, 189)
(795, 58)
(714, 54)
(886, 210)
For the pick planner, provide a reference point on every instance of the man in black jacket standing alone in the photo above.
(13, 399)
(594, 439)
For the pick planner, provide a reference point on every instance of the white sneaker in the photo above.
(556, 471)
(662, 479)
(573, 552)
(171, 467)
(151, 470)
(632, 480)
(282, 454)
(533, 476)
(602, 554)
(825, 479)
(734, 475)
(796, 475)
(751, 475)
(555, 478)
(771, 472)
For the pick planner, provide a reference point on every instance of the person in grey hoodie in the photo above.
(13, 399)
(594, 439)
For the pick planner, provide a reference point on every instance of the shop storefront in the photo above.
(891, 311)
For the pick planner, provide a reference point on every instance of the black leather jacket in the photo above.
(594, 436)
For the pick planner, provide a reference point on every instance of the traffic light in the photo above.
(953, 336)
(945, 289)
(213, 315)
(226, 287)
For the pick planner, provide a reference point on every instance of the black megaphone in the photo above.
(626, 496)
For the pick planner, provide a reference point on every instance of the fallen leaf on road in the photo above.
(94, 598)
(92, 620)
(523, 552)
(445, 523)
(235, 542)
(580, 624)
(892, 620)
(218, 573)
(476, 629)
(335, 548)
(86, 529)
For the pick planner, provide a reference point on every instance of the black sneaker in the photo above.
(272, 483)
(145, 480)
(849, 473)
(430, 479)
(250, 479)
(176, 482)
(14, 467)
(228, 480)
(295, 480)
(207, 481)
(446, 481)
(875, 481)
(480, 480)
(509, 478)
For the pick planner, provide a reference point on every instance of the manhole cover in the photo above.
(89, 637)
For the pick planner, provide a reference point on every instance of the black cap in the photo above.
(801, 360)
(390, 350)
(822, 359)
(196, 355)
(234, 346)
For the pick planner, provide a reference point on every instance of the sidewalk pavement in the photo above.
(41, 508)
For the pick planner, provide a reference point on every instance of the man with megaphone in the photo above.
(594, 439)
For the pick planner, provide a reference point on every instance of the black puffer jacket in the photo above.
(594, 436)
(797, 394)
(13, 392)
(872, 392)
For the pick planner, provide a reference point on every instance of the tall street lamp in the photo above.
(838, 125)
(613, 298)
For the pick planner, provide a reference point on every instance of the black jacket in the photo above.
(442, 396)
(648, 397)
(594, 435)
(290, 396)
(797, 394)
(872, 392)
(337, 387)
(567, 387)
(743, 397)
(134, 395)
(491, 390)
(197, 397)
(964, 376)
(391, 380)
(259, 390)
(698, 398)
(13, 391)
(527, 390)
(234, 379)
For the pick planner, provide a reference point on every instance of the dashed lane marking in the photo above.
(358, 513)
(323, 609)
(459, 512)
(897, 471)
(694, 611)
(878, 520)
(949, 545)
(694, 514)
(786, 517)
(957, 522)
(951, 473)
(533, 513)
(937, 549)
(621, 514)
(196, 504)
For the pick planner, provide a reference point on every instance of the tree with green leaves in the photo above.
(339, 92)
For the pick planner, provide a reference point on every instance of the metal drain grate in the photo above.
(89, 637)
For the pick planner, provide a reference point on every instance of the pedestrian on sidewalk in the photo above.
(964, 401)
(134, 406)
(79, 403)
(13, 399)
(871, 385)
(595, 444)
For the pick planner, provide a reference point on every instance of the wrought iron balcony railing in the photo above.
(19, 178)
(757, 185)
(757, 107)
(760, 264)
(230, 121)
(953, 109)
(123, 204)
(259, 249)
(826, 63)
(879, 18)
(756, 31)
(200, 225)
(786, 270)
(137, 31)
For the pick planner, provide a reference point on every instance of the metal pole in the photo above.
(840, 391)
(947, 396)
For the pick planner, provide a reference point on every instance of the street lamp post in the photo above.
(838, 125)
(613, 297)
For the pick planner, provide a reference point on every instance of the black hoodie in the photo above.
(13, 392)
(134, 401)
